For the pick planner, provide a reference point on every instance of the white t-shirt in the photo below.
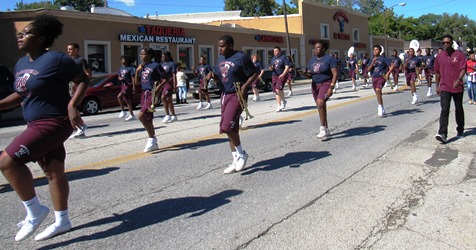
(181, 79)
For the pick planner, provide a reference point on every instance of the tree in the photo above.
(251, 8)
(81, 5)
(35, 5)
(289, 9)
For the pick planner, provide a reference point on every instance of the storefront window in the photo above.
(262, 57)
(356, 34)
(207, 52)
(159, 50)
(185, 56)
(99, 57)
(133, 51)
(248, 51)
(324, 31)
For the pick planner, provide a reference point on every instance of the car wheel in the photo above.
(90, 106)
(268, 85)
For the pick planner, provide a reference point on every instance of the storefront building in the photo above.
(104, 38)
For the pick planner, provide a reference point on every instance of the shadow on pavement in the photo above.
(150, 214)
(200, 117)
(360, 131)
(301, 108)
(292, 160)
(72, 176)
(343, 97)
(403, 112)
(193, 145)
(269, 124)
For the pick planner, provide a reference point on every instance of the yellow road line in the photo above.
(141, 155)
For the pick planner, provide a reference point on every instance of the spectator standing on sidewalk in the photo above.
(182, 84)
(450, 67)
(42, 89)
(233, 67)
(73, 51)
(322, 68)
(471, 81)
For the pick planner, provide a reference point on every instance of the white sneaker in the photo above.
(279, 109)
(254, 98)
(130, 118)
(122, 114)
(209, 106)
(324, 133)
(200, 105)
(415, 99)
(151, 145)
(231, 168)
(353, 87)
(283, 104)
(80, 132)
(257, 99)
(166, 118)
(337, 85)
(385, 85)
(241, 121)
(290, 93)
(334, 90)
(29, 226)
(241, 161)
(52, 231)
(430, 93)
(173, 118)
(380, 110)
(395, 88)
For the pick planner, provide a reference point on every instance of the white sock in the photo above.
(429, 89)
(33, 207)
(234, 154)
(414, 94)
(62, 217)
(239, 150)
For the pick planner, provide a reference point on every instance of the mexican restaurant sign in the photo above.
(158, 34)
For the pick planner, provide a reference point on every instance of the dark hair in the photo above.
(75, 45)
(378, 46)
(169, 55)
(447, 36)
(278, 48)
(228, 39)
(48, 26)
(324, 43)
(148, 51)
(127, 58)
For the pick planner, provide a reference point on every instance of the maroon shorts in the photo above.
(202, 86)
(319, 90)
(255, 83)
(146, 102)
(126, 91)
(429, 72)
(365, 72)
(290, 76)
(167, 90)
(378, 82)
(278, 84)
(42, 141)
(352, 73)
(230, 113)
(411, 77)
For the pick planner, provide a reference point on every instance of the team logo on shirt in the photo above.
(20, 83)
(22, 151)
(316, 67)
(145, 74)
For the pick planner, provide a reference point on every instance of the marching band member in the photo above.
(233, 67)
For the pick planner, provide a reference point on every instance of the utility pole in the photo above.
(286, 26)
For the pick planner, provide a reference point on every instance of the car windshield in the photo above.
(96, 81)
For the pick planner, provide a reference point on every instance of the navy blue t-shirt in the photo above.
(81, 62)
(381, 66)
(203, 70)
(397, 62)
(169, 67)
(279, 64)
(429, 61)
(236, 68)
(413, 62)
(43, 84)
(352, 64)
(320, 68)
(127, 73)
(150, 73)
(259, 66)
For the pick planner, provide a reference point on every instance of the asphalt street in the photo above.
(379, 183)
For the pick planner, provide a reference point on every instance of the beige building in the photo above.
(105, 34)
(103, 38)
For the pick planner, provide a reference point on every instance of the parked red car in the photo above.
(102, 93)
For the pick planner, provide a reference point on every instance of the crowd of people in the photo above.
(50, 86)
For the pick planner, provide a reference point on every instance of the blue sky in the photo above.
(140, 8)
